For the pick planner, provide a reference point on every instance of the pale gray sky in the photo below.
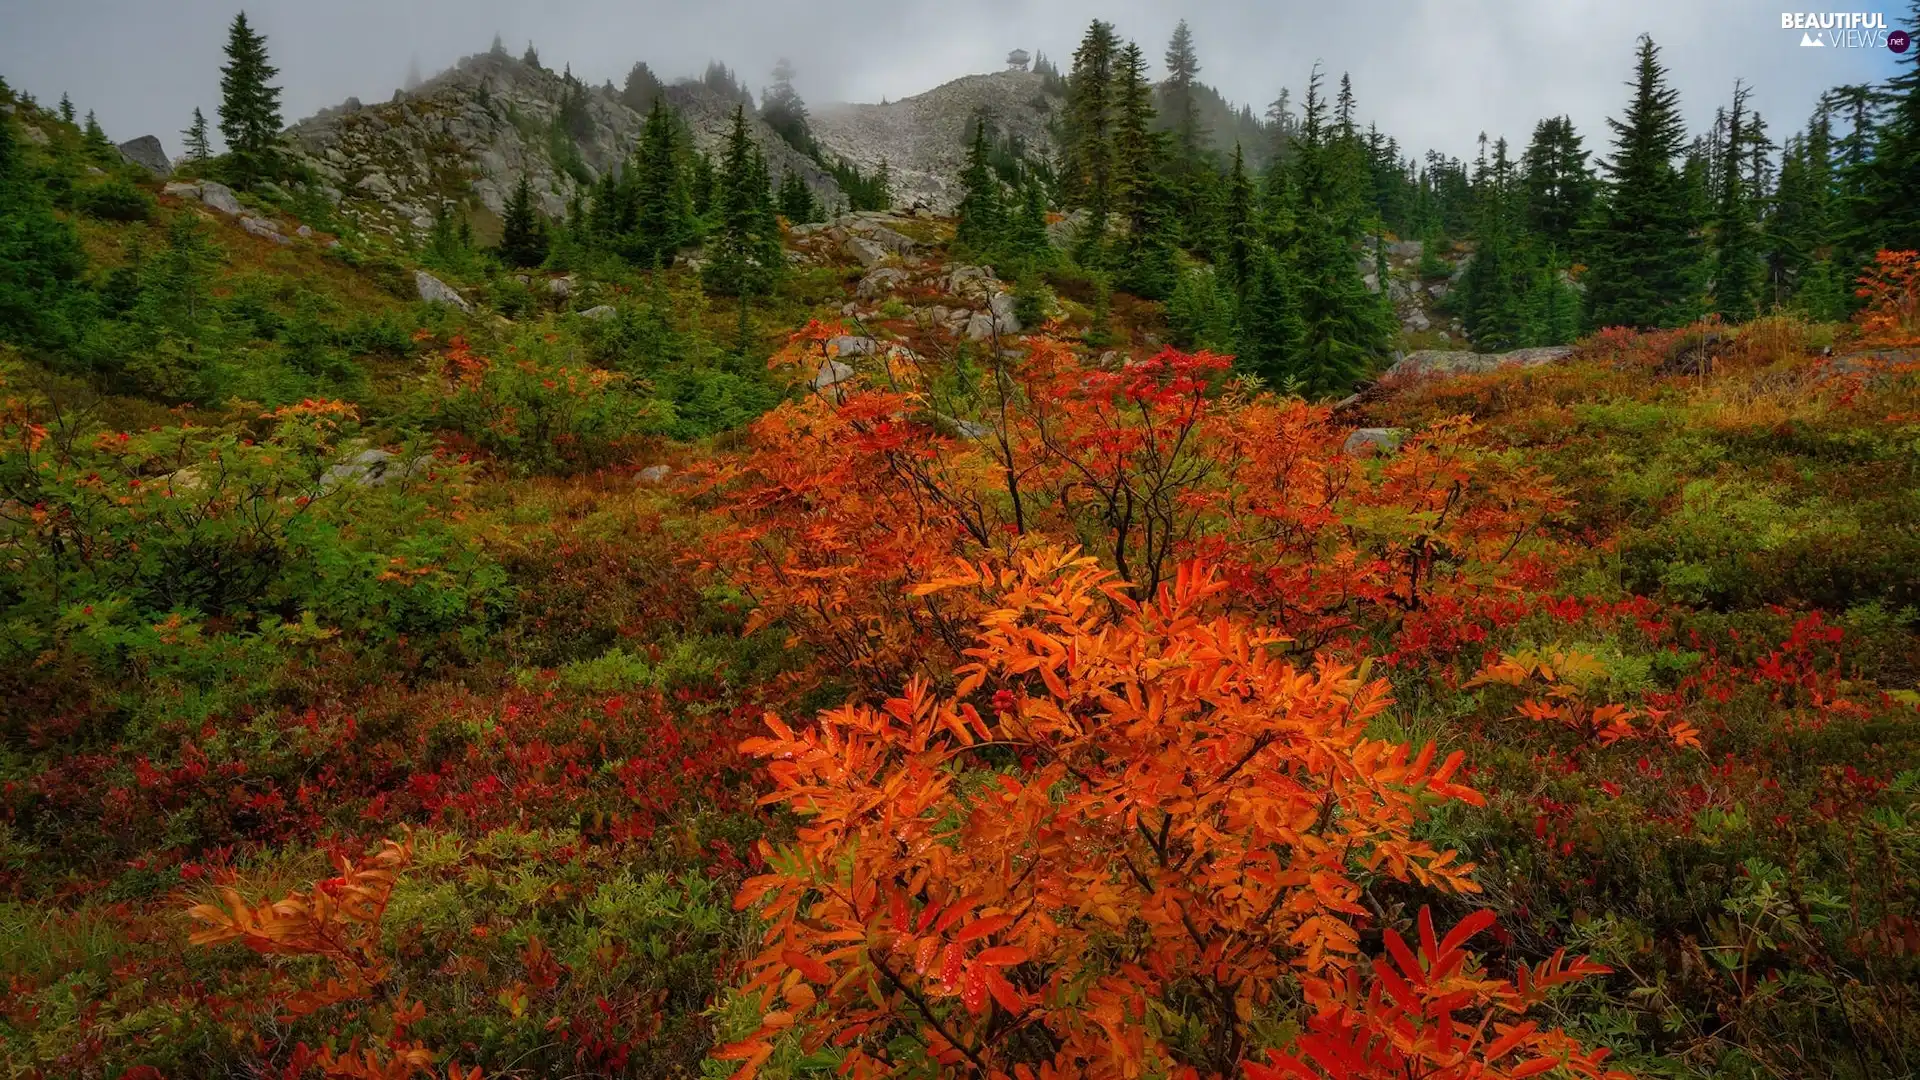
(1433, 73)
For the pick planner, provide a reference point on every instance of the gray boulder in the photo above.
(264, 229)
(560, 288)
(652, 474)
(435, 291)
(181, 191)
(597, 313)
(854, 346)
(1383, 440)
(1406, 249)
(147, 153)
(1448, 362)
(881, 281)
(867, 251)
(373, 468)
(34, 135)
(220, 197)
(831, 374)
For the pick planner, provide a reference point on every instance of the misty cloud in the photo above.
(1433, 73)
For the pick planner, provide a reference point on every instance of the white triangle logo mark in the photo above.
(1808, 41)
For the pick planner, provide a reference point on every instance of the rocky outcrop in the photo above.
(147, 153)
(1378, 440)
(923, 139)
(434, 291)
(467, 136)
(214, 196)
(374, 468)
(1444, 362)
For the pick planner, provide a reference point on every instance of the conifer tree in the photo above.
(745, 253)
(662, 220)
(1888, 209)
(1183, 112)
(249, 103)
(784, 112)
(797, 203)
(883, 186)
(980, 212)
(531, 57)
(197, 147)
(1027, 232)
(97, 145)
(1559, 185)
(1341, 329)
(1241, 231)
(1148, 265)
(41, 261)
(1643, 256)
(66, 109)
(1087, 164)
(1800, 234)
(641, 90)
(1736, 249)
(523, 237)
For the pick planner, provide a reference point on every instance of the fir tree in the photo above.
(882, 198)
(784, 112)
(531, 57)
(1148, 266)
(195, 135)
(980, 212)
(642, 89)
(1559, 185)
(661, 221)
(523, 237)
(66, 109)
(41, 261)
(1087, 164)
(1183, 112)
(95, 139)
(745, 253)
(498, 48)
(1736, 249)
(1027, 236)
(1241, 231)
(1800, 232)
(1642, 254)
(1888, 207)
(249, 103)
(797, 203)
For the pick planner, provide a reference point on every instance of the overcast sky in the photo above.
(1433, 73)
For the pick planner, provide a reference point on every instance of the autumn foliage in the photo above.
(1121, 847)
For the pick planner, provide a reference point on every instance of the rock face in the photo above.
(1382, 440)
(434, 291)
(923, 139)
(1444, 362)
(880, 282)
(147, 153)
(469, 134)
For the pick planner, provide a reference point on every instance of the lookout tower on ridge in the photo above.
(1017, 60)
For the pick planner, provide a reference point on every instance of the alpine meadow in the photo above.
(1060, 576)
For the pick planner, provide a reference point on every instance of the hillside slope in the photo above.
(923, 139)
(468, 135)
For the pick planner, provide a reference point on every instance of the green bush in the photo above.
(115, 199)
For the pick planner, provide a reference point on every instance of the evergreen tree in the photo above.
(498, 48)
(784, 112)
(41, 261)
(980, 211)
(1642, 254)
(1241, 238)
(531, 57)
(661, 221)
(1027, 236)
(1148, 265)
(523, 237)
(1087, 152)
(1183, 112)
(1800, 234)
(249, 104)
(797, 203)
(195, 135)
(882, 198)
(1341, 329)
(745, 256)
(1888, 209)
(66, 109)
(702, 184)
(1736, 249)
(98, 147)
(1559, 185)
(642, 89)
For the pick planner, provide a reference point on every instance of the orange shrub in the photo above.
(1156, 842)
